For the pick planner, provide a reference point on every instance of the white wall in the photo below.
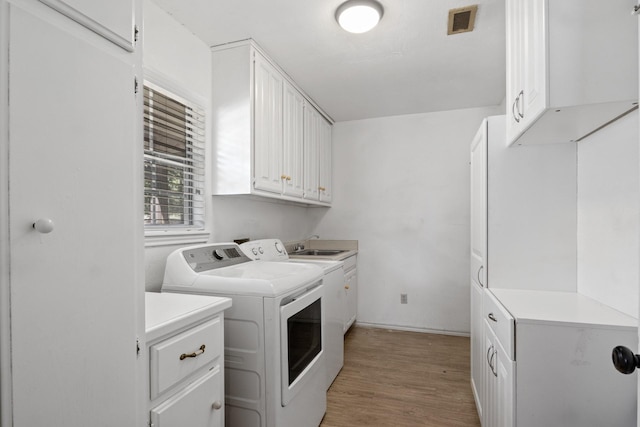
(609, 214)
(402, 190)
(181, 62)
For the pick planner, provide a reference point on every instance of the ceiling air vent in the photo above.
(461, 20)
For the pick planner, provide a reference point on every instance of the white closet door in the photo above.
(75, 292)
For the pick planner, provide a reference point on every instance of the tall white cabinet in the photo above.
(517, 241)
(478, 255)
(70, 154)
(572, 67)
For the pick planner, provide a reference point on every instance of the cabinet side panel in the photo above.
(232, 123)
(532, 214)
(565, 377)
(593, 54)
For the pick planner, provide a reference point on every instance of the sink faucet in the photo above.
(300, 246)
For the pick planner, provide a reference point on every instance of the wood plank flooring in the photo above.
(398, 378)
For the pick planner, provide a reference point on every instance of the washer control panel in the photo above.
(210, 257)
(265, 250)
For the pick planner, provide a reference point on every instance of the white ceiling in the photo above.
(407, 64)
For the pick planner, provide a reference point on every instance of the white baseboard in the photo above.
(411, 329)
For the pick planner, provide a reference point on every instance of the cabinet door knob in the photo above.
(44, 225)
(479, 278)
(283, 176)
(625, 360)
(216, 405)
(492, 317)
(346, 286)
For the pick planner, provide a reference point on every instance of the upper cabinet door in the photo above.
(113, 19)
(478, 266)
(75, 159)
(311, 150)
(267, 126)
(324, 148)
(526, 63)
(293, 141)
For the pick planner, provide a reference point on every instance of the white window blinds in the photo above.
(173, 161)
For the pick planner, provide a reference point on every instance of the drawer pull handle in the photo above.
(492, 317)
(196, 354)
(216, 405)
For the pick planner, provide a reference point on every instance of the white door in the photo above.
(112, 20)
(478, 173)
(477, 345)
(267, 126)
(74, 158)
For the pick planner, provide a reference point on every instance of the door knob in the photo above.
(625, 360)
(44, 225)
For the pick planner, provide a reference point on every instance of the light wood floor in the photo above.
(397, 378)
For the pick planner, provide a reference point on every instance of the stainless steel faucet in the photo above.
(300, 246)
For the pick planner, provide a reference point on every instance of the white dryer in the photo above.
(274, 250)
(275, 374)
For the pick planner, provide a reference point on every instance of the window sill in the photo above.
(175, 237)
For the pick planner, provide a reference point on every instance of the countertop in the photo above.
(168, 311)
(570, 308)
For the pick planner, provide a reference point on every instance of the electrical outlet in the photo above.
(403, 298)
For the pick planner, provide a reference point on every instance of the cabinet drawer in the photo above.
(500, 321)
(200, 404)
(168, 364)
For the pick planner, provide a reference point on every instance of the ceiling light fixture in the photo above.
(359, 16)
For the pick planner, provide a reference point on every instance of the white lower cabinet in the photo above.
(199, 404)
(548, 361)
(499, 382)
(351, 292)
(185, 341)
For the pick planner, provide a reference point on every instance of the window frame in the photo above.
(188, 234)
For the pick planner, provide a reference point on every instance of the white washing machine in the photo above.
(275, 373)
(274, 250)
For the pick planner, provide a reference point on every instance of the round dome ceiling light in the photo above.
(359, 16)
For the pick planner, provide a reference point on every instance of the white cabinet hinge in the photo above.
(135, 85)
(137, 347)
(135, 34)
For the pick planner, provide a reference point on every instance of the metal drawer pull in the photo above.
(196, 354)
(489, 350)
(492, 317)
(216, 405)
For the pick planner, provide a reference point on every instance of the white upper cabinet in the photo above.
(293, 140)
(324, 154)
(267, 126)
(113, 19)
(571, 68)
(266, 133)
(312, 120)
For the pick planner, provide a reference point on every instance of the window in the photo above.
(173, 161)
